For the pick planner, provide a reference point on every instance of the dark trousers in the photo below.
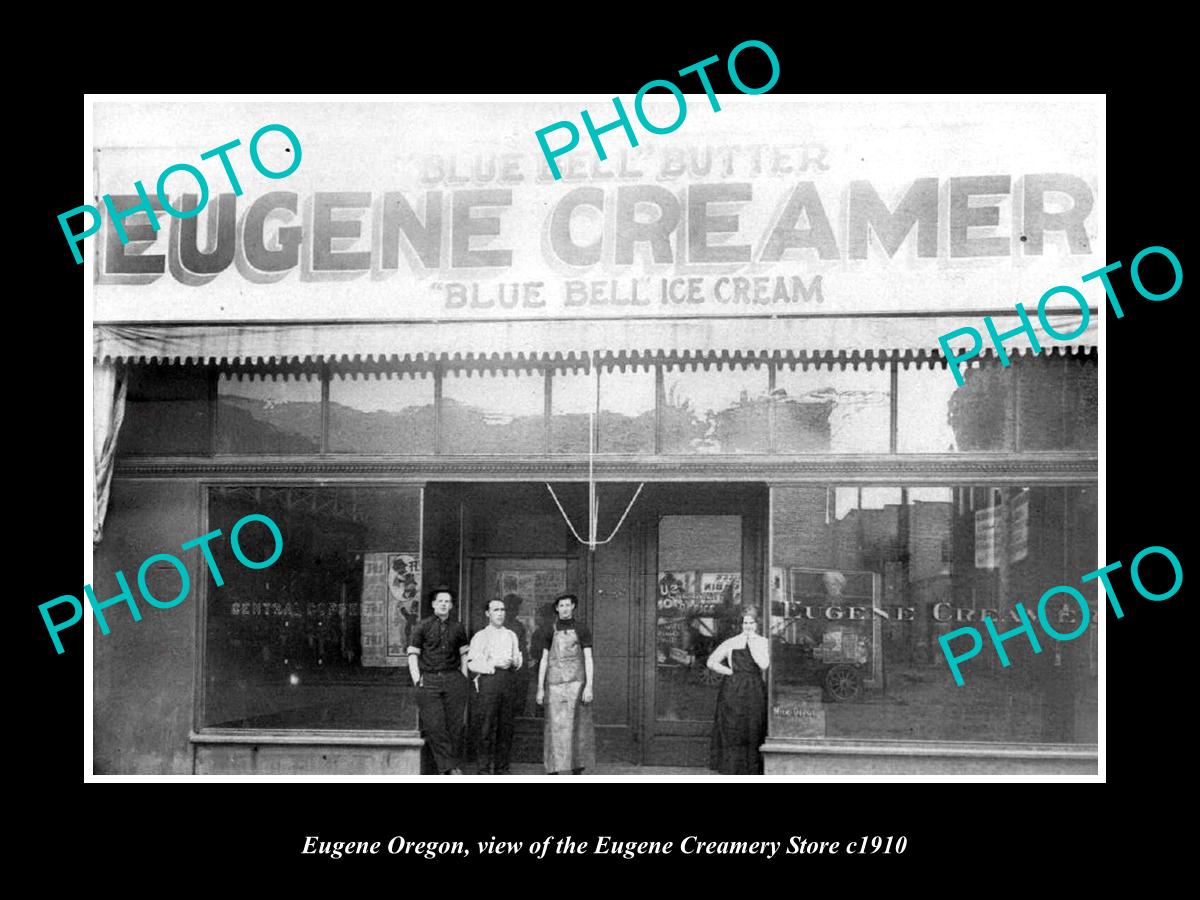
(442, 702)
(493, 716)
(521, 678)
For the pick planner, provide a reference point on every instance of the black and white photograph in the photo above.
(465, 436)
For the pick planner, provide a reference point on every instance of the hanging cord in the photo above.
(593, 500)
(590, 540)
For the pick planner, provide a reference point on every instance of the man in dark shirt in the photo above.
(437, 662)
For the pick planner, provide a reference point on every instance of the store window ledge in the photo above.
(308, 737)
(851, 757)
(313, 752)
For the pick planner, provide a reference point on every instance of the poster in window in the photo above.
(720, 589)
(390, 606)
(693, 614)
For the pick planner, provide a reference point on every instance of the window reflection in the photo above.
(627, 402)
(1044, 403)
(626, 417)
(268, 413)
(318, 640)
(699, 595)
(389, 415)
(935, 415)
(718, 410)
(572, 399)
(1056, 403)
(865, 581)
(493, 412)
(830, 409)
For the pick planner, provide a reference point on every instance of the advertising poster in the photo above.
(694, 613)
(391, 602)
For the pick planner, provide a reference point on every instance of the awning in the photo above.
(523, 342)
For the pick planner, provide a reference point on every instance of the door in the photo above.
(515, 547)
(528, 587)
(703, 564)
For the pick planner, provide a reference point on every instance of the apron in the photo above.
(570, 741)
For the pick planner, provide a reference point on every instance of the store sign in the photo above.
(789, 626)
(839, 218)
(148, 209)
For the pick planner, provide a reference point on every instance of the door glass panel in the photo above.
(528, 588)
(699, 590)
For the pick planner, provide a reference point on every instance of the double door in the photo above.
(658, 599)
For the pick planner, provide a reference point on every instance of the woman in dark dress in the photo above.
(741, 721)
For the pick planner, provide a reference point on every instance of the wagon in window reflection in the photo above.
(816, 641)
(840, 663)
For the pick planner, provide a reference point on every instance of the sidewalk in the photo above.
(618, 769)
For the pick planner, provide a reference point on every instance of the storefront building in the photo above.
(718, 362)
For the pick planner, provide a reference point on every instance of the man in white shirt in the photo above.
(495, 659)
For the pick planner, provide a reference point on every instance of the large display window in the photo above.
(864, 580)
(318, 639)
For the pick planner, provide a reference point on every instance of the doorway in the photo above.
(658, 597)
(703, 561)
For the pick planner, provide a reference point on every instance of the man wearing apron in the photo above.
(565, 679)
